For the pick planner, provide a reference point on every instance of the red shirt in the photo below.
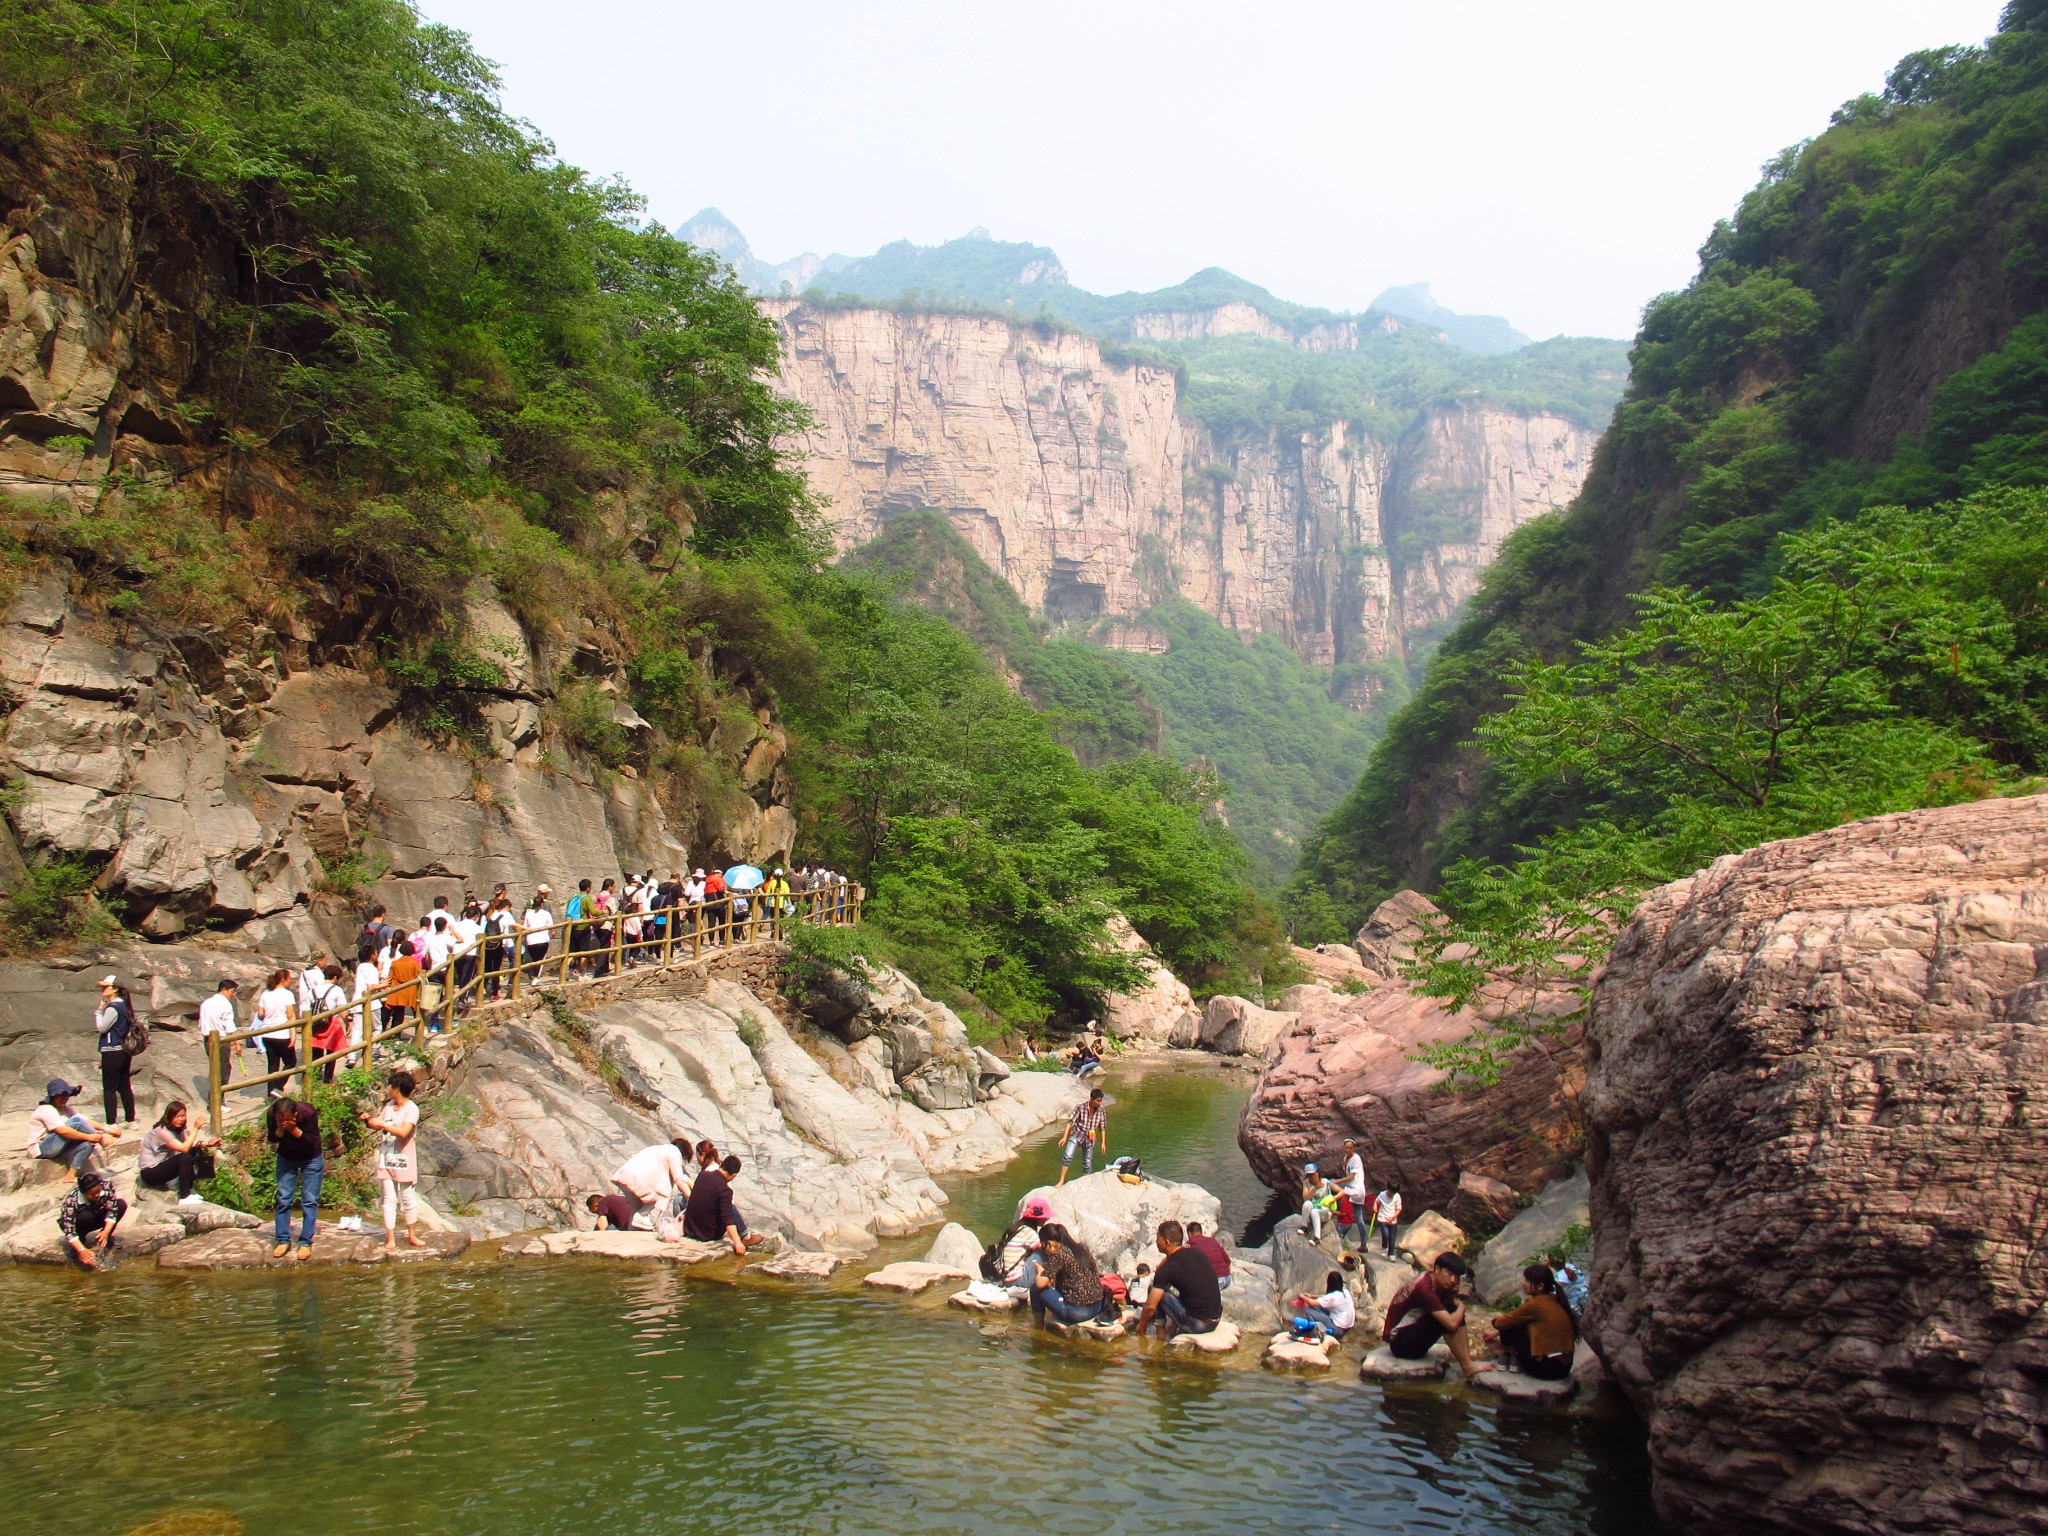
(1211, 1250)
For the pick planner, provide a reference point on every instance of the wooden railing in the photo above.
(507, 963)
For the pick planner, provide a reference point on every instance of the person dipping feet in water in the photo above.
(1538, 1336)
(1183, 1296)
(397, 1169)
(1429, 1309)
(1088, 1129)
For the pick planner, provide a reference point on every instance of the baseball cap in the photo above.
(56, 1088)
(1037, 1208)
(110, 981)
(1310, 1168)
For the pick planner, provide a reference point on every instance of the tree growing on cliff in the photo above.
(1897, 661)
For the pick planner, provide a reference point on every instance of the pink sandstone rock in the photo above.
(1819, 1157)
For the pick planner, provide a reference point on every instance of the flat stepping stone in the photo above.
(1517, 1388)
(973, 1303)
(798, 1266)
(1384, 1365)
(240, 1248)
(610, 1245)
(1286, 1352)
(1102, 1331)
(911, 1277)
(1220, 1340)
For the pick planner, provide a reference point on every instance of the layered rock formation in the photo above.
(1819, 1157)
(1345, 1068)
(1082, 483)
(836, 1155)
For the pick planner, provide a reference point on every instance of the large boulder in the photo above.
(1387, 941)
(1819, 1157)
(1116, 1221)
(1235, 1026)
(1561, 1206)
(1160, 1012)
(1349, 1069)
(955, 1248)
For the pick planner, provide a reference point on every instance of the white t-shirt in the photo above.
(467, 931)
(1354, 1178)
(440, 945)
(538, 924)
(1338, 1303)
(394, 1153)
(309, 982)
(217, 1015)
(274, 1011)
(1387, 1207)
(654, 1172)
(368, 978)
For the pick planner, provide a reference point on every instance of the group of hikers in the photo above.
(429, 973)
(178, 1153)
(1348, 1205)
(677, 1189)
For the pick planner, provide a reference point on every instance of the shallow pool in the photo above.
(582, 1396)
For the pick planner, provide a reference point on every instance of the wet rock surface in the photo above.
(238, 1248)
(1819, 1157)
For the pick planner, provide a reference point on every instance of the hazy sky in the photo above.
(1555, 163)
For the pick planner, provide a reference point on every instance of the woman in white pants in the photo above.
(397, 1168)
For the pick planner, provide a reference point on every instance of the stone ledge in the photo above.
(1385, 1365)
(1517, 1388)
(1220, 1340)
(609, 1245)
(911, 1277)
(1286, 1352)
(238, 1248)
(797, 1266)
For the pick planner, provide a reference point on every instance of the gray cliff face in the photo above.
(1083, 484)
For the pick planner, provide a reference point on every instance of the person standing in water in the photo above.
(1087, 1132)
(397, 1168)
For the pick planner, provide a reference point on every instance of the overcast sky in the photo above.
(1558, 164)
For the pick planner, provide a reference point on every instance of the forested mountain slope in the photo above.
(1867, 329)
(315, 363)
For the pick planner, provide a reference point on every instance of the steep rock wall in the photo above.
(1081, 481)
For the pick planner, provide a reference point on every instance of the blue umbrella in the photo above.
(743, 877)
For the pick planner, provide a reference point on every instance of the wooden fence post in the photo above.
(216, 1071)
(619, 941)
(668, 936)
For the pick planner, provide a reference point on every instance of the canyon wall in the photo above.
(1084, 483)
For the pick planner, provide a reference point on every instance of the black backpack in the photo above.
(991, 1256)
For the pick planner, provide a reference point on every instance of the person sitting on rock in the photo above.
(711, 1217)
(88, 1216)
(1213, 1251)
(658, 1179)
(616, 1212)
(1428, 1309)
(1087, 1130)
(1538, 1336)
(1068, 1285)
(1318, 1197)
(1183, 1297)
(1333, 1311)
(176, 1151)
(59, 1135)
(1018, 1252)
(1085, 1059)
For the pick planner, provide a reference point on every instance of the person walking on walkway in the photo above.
(115, 1020)
(58, 1135)
(275, 1010)
(217, 1017)
(331, 998)
(398, 1169)
(1353, 1190)
(501, 929)
(538, 926)
(404, 981)
(176, 1151)
(294, 1129)
(1087, 1133)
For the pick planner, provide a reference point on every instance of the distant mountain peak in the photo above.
(1488, 335)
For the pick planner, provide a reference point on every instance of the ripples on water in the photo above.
(577, 1397)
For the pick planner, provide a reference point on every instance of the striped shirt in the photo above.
(1087, 1119)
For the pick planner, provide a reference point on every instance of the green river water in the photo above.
(582, 1396)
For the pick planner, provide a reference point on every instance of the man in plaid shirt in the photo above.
(1085, 1129)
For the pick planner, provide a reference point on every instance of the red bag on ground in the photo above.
(1116, 1286)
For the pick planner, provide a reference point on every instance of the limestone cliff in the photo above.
(1083, 481)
